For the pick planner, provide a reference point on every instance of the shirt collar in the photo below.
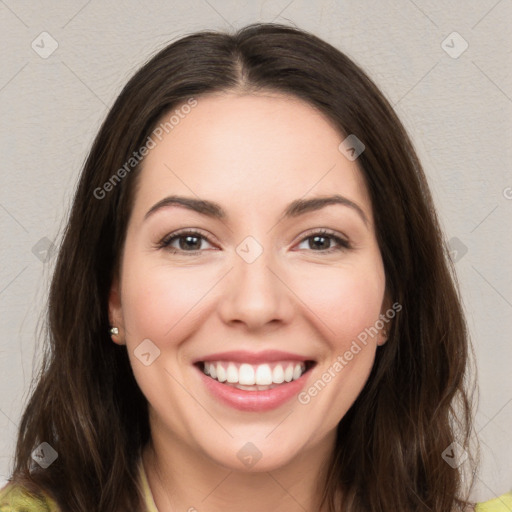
(146, 490)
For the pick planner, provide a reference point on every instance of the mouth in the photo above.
(255, 377)
(254, 381)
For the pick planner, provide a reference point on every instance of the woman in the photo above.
(252, 307)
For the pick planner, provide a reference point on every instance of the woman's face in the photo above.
(257, 291)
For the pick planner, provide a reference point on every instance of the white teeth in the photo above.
(278, 374)
(263, 375)
(258, 376)
(288, 373)
(297, 372)
(221, 373)
(246, 375)
(232, 373)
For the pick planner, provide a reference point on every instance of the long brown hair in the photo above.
(86, 403)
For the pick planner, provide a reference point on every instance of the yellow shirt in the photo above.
(502, 503)
(16, 499)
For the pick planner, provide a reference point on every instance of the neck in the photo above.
(183, 479)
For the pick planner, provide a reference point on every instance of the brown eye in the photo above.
(187, 241)
(322, 241)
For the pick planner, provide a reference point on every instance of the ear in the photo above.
(384, 318)
(115, 312)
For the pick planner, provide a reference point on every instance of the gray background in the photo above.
(456, 107)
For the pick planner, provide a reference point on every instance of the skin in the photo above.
(252, 154)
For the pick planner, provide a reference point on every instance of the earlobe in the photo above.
(384, 331)
(383, 337)
(115, 315)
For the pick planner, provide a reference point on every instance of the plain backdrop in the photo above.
(444, 65)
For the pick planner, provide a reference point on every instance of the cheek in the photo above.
(344, 301)
(162, 304)
(346, 304)
(160, 301)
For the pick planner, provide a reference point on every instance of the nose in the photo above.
(256, 294)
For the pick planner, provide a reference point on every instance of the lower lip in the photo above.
(254, 401)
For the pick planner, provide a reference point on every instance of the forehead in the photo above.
(245, 149)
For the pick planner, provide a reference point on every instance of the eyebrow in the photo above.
(294, 209)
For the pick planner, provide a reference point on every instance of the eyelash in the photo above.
(167, 241)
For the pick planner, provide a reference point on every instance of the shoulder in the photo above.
(502, 503)
(15, 498)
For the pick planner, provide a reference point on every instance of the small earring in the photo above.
(114, 331)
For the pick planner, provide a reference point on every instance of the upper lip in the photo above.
(243, 356)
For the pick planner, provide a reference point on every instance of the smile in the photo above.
(254, 382)
(252, 377)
